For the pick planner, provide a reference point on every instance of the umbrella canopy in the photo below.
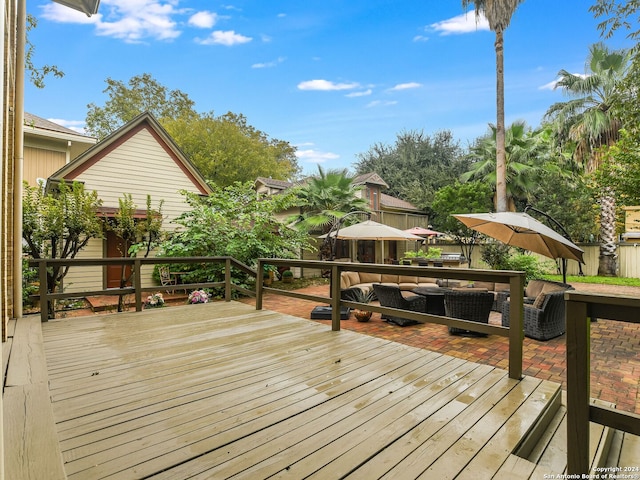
(524, 231)
(370, 230)
(423, 232)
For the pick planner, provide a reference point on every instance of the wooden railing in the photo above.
(581, 309)
(137, 289)
(515, 333)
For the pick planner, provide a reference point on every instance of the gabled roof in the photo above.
(43, 127)
(273, 183)
(120, 136)
(394, 203)
(371, 178)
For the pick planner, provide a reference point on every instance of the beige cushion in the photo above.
(369, 277)
(347, 279)
(502, 287)
(407, 279)
(550, 287)
(539, 301)
(486, 285)
(386, 278)
(534, 287)
(427, 280)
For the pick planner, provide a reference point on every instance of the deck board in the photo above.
(223, 391)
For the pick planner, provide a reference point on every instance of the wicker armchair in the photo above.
(542, 323)
(473, 306)
(390, 296)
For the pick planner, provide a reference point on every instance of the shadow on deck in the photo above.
(220, 390)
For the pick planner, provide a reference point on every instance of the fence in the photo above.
(582, 308)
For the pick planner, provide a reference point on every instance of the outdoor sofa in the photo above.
(365, 281)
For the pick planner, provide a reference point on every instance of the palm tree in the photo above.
(325, 199)
(525, 153)
(589, 122)
(498, 13)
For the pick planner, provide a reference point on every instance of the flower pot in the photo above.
(362, 315)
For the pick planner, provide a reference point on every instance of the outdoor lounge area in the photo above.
(229, 389)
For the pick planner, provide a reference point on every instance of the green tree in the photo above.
(620, 170)
(37, 74)
(526, 154)
(624, 15)
(59, 226)
(324, 200)
(234, 221)
(498, 13)
(416, 166)
(469, 197)
(589, 121)
(126, 101)
(136, 235)
(226, 149)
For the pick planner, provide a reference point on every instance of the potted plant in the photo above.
(434, 252)
(198, 296)
(360, 296)
(287, 276)
(154, 301)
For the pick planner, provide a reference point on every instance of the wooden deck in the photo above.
(221, 390)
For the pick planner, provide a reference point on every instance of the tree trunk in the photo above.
(607, 265)
(501, 165)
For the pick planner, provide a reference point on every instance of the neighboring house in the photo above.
(49, 147)
(384, 209)
(138, 159)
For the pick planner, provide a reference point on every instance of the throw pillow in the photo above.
(539, 301)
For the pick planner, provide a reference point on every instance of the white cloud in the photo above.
(124, 19)
(75, 125)
(465, 23)
(364, 93)
(203, 19)
(406, 86)
(552, 85)
(227, 38)
(326, 85)
(420, 38)
(315, 156)
(380, 103)
(272, 64)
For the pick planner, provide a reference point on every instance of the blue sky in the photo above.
(332, 77)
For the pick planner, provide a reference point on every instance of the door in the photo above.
(115, 249)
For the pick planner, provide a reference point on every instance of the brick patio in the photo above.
(615, 346)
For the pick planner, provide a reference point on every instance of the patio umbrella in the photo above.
(423, 232)
(524, 231)
(370, 230)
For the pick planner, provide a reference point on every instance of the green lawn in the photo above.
(630, 282)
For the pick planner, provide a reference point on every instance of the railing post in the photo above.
(137, 283)
(516, 326)
(259, 280)
(578, 387)
(44, 290)
(335, 298)
(227, 279)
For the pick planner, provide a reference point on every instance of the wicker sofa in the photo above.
(544, 309)
(365, 281)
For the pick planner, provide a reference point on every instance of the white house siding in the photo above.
(139, 166)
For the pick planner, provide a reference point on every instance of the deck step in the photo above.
(546, 447)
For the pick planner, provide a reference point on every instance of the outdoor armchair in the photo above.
(544, 319)
(468, 305)
(390, 296)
